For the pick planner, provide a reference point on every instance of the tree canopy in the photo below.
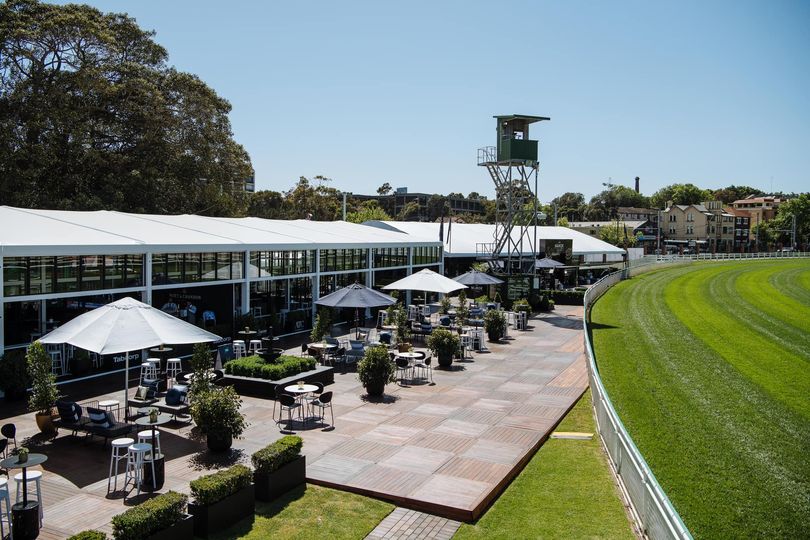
(603, 205)
(369, 210)
(680, 194)
(91, 117)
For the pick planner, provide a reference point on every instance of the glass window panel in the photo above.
(114, 271)
(134, 271)
(209, 267)
(238, 266)
(15, 270)
(159, 269)
(174, 267)
(191, 267)
(40, 275)
(67, 274)
(91, 270)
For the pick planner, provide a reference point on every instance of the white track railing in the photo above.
(651, 506)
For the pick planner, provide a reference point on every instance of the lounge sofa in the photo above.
(95, 423)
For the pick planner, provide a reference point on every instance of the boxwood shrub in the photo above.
(89, 535)
(256, 367)
(150, 516)
(568, 298)
(273, 456)
(211, 488)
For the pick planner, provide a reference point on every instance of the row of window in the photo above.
(195, 267)
(43, 275)
(387, 257)
(426, 254)
(281, 263)
(336, 260)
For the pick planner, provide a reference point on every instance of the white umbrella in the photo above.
(426, 280)
(126, 325)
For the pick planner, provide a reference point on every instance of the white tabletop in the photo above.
(109, 403)
(321, 345)
(409, 355)
(295, 389)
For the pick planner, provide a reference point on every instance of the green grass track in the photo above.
(708, 366)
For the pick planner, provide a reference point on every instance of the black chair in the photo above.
(3, 448)
(315, 393)
(289, 404)
(403, 366)
(324, 401)
(424, 364)
(304, 350)
(9, 431)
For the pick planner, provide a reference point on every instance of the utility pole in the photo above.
(793, 233)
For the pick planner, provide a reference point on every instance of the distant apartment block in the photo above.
(705, 227)
(394, 203)
(759, 209)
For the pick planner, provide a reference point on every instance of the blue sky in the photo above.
(713, 93)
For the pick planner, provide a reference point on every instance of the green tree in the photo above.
(570, 205)
(563, 222)
(368, 211)
(679, 194)
(779, 229)
(734, 193)
(437, 206)
(409, 212)
(323, 203)
(266, 204)
(603, 206)
(384, 189)
(91, 117)
(618, 235)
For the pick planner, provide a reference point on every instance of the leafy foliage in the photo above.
(13, 373)
(369, 211)
(93, 118)
(89, 535)
(618, 234)
(445, 305)
(679, 194)
(43, 382)
(200, 364)
(323, 322)
(216, 411)
(376, 366)
(150, 516)
(495, 322)
(212, 488)
(277, 454)
(283, 367)
(443, 342)
(463, 310)
(403, 325)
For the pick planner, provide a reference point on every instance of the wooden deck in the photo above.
(448, 449)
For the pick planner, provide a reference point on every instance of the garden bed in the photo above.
(265, 388)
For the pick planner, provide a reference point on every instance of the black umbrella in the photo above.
(474, 277)
(547, 263)
(356, 296)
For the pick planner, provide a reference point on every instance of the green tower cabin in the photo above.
(513, 166)
(513, 138)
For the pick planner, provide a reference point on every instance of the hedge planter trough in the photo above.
(182, 530)
(277, 483)
(224, 513)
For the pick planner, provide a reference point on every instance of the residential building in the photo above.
(759, 208)
(721, 228)
(686, 226)
(742, 229)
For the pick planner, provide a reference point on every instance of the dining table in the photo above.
(24, 515)
(300, 391)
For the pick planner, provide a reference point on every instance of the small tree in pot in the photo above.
(376, 370)
(444, 345)
(43, 386)
(216, 413)
(495, 324)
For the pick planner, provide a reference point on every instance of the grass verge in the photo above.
(565, 491)
(311, 512)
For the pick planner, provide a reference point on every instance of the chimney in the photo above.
(637, 184)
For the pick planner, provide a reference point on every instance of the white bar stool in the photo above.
(148, 371)
(31, 476)
(239, 348)
(57, 366)
(145, 436)
(174, 367)
(255, 345)
(120, 447)
(136, 458)
(5, 515)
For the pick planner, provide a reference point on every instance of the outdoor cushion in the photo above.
(444, 321)
(175, 397)
(69, 412)
(98, 418)
(142, 392)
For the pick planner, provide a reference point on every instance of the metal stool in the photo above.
(145, 436)
(31, 476)
(174, 367)
(120, 447)
(239, 348)
(136, 458)
(255, 345)
(5, 515)
(148, 371)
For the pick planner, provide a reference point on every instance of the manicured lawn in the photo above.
(312, 512)
(708, 365)
(566, 491)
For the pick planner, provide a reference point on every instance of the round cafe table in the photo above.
(25, 515)
(158, 459)
(321, 348)
(163, 354)
(300, 391)
(410, 356)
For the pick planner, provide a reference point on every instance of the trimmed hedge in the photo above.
(256, 367)
(568, 298)
(211, 488)
(150, 516)
(89, 535)
(273, 456)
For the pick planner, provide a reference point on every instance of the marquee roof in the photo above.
(27, 232)
(462, 240)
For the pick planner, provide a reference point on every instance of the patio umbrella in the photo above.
(547, 263)
(474, 277)
(356, 296)
(126, 325)
(426, 280)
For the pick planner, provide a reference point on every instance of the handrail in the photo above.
(654, 511)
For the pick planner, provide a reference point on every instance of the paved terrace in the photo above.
(449, 448)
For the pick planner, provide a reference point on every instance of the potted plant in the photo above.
(221, 499)
(376, 370)
(403, 326)
(444, 345)
(445, 305)
(89, 535)
(22, 454)
(494, 324)
(13, 375)
(279, 467)
(463, 310)
(161, 518)
(43, 387)
(216, 413)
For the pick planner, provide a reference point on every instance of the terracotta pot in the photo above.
(45, 423)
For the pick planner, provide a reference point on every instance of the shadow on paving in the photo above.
(562, 322)
(83, 461)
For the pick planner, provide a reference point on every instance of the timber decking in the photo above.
(448, 449)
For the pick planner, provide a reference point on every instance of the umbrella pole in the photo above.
(356, 323)
(126, 386)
